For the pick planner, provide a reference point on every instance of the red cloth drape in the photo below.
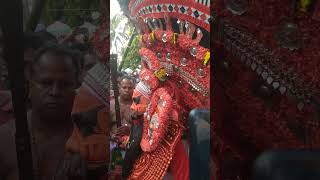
(179, 166)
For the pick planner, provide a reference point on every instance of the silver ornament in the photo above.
(164, 37)
(184, 61)
(193, 51)
(168, 57)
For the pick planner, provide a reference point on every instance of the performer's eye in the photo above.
(136, 100)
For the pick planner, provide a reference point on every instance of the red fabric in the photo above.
(163, 115)
(95, 148)
(179, 64)
(183, 45)
(179, 166)
(137, 122)
(187, 4)
(247, 124)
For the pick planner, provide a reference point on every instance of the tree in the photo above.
(75, 10)
(132, 59)
(119, 36)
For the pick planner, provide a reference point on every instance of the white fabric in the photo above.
(59, 29)
(40, 27)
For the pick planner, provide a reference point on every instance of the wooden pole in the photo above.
(12, 26)
(114, 73)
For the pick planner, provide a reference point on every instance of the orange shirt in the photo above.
(95, 148)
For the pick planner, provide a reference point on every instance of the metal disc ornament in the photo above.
(288, 36)
(237, 7)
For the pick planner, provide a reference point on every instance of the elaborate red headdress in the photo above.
(266, 89)
(175, 78)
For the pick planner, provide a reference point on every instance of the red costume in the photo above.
(175, 79)
(266, 89)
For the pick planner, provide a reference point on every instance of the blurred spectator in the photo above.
(126, 86)
(82, 36)
(91, 117)
(128, 71)
(40, 27)
(59, 29)
(50, 119)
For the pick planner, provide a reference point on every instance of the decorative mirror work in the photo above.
(288, 36)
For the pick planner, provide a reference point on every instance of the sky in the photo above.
(114, 8)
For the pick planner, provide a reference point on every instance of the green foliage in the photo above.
(73, 18)
(119, 38)
(132, 60)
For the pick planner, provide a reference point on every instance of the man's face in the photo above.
(126, 89)
(52, 86)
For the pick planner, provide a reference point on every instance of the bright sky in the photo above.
(114, 8)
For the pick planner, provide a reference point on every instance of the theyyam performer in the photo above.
(175, 78)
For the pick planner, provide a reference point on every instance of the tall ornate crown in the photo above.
(194, 11)
(173, 37)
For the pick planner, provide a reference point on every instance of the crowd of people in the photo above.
(66, 118)
(82, 128)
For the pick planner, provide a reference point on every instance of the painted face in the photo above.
(140, 102)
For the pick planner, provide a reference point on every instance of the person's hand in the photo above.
(119, 132)
(72, 167)
(124, 141)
